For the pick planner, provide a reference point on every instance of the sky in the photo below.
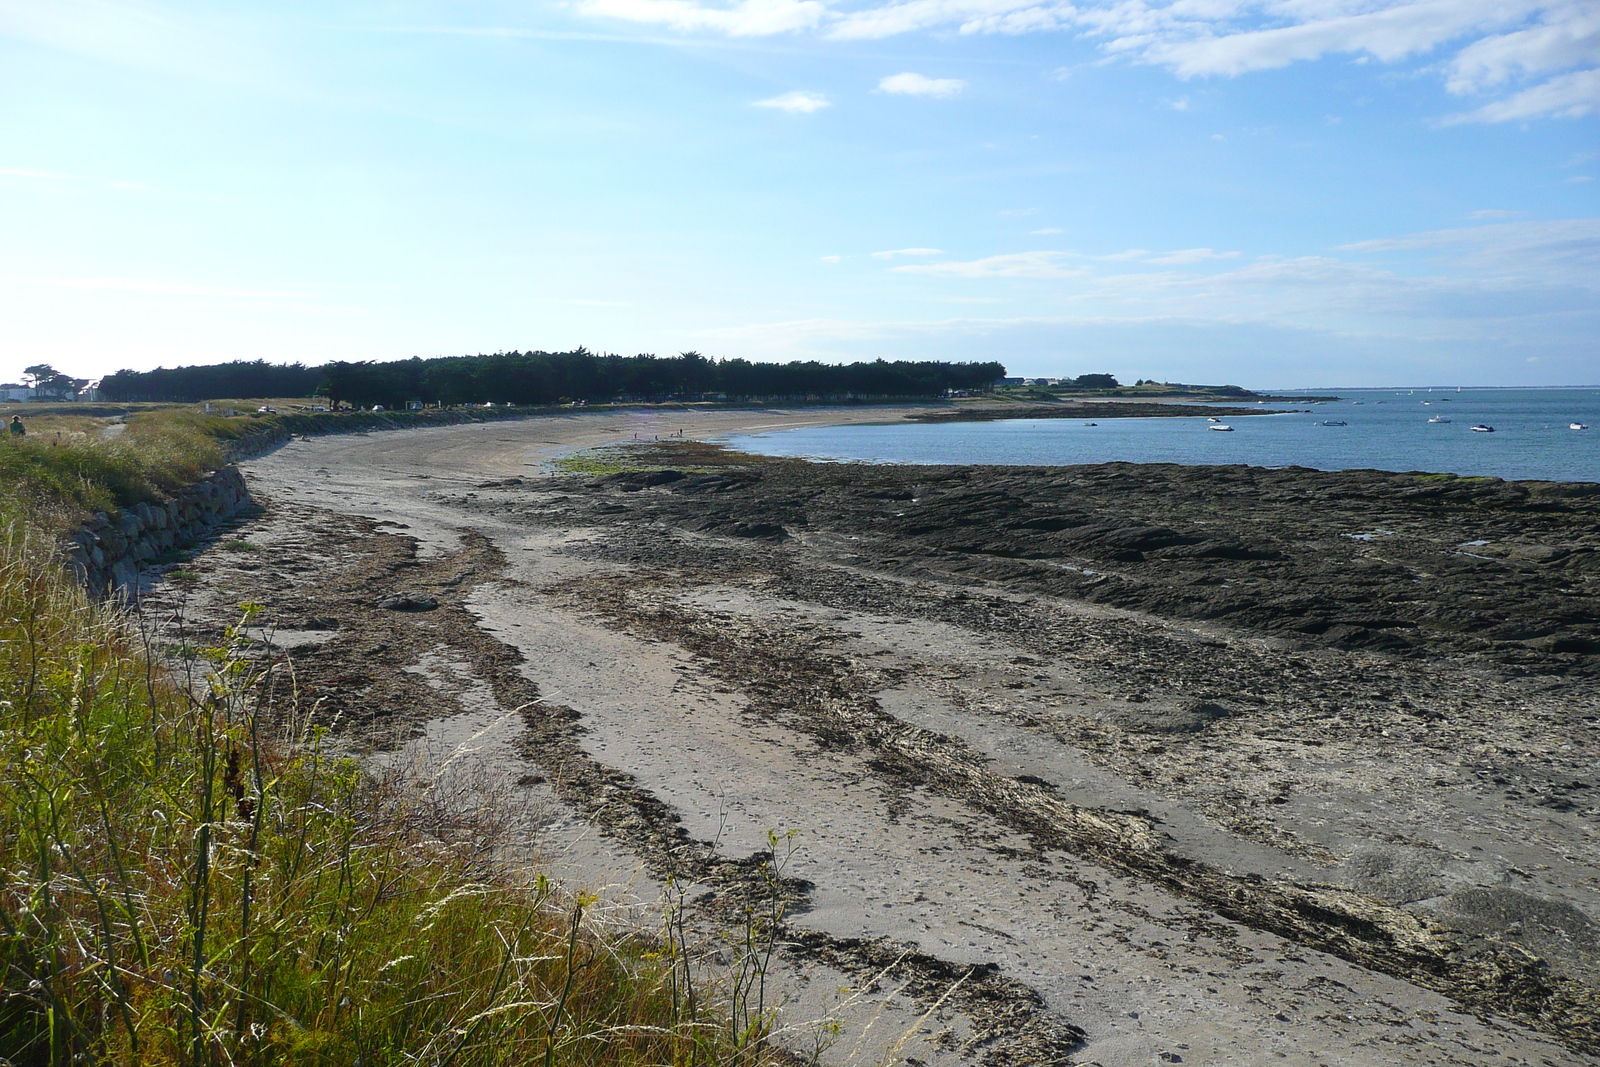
(1272, 193)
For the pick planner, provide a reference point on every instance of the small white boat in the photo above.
(1212, 418)
(1220, 426)
(1577, 426)
(1439, 418)
(1334, 422)
(1481, 428)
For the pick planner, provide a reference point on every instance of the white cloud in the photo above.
(1179, 257)
(1579, 178)
(1014, 265)
(1495, 213)
(1530, 278)
(909, 84)
(1542, 246)
(749, 18)
(909, 252)
(968, 16)
(832, 259)
(1502, 41)
(796, 103)
(1566, 37)
(1567, 97)
(1189, 255)
(1200, 46)
(1538, 58)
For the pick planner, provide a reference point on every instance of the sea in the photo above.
(1383, 429)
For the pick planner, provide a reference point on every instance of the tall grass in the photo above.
(52, 478)
(181, 883)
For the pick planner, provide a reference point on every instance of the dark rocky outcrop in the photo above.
(1399, 563)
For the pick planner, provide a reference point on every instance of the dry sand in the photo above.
(1092, 963)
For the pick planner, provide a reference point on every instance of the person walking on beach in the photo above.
(17, 429)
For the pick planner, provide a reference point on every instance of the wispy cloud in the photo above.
(909, 252)
(1568, 246)
(1047, 230)
(1495, 213)
(1568, 97)
(968, 16)
(796, 103)
(1176, 258)
(1189, 255)
(1054, 264)
(909, 84)
(24, 172)
(748, 18)
(165, 287)
(1537, 58)
(1515, 280)
(1013, 265)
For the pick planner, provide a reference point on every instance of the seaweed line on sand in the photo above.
(792, 678)
(1010, 1026)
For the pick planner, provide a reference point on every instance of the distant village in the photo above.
(44, 383)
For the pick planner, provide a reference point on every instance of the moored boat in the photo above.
(1220, 426)
(1482, 428)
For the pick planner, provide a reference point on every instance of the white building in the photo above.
(11, 393)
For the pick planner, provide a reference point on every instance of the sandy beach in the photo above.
(1112, 765)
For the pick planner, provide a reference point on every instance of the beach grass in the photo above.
(185, 881)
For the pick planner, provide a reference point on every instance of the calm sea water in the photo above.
(1387, 429)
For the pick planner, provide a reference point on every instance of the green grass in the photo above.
(183, 883)
(53, 479)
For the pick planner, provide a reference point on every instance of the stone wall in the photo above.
(108, 552)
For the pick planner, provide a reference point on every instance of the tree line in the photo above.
(235, 380)
(551, 377)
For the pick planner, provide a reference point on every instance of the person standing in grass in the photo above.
(17, 429)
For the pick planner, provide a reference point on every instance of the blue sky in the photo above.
(1269, 192)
